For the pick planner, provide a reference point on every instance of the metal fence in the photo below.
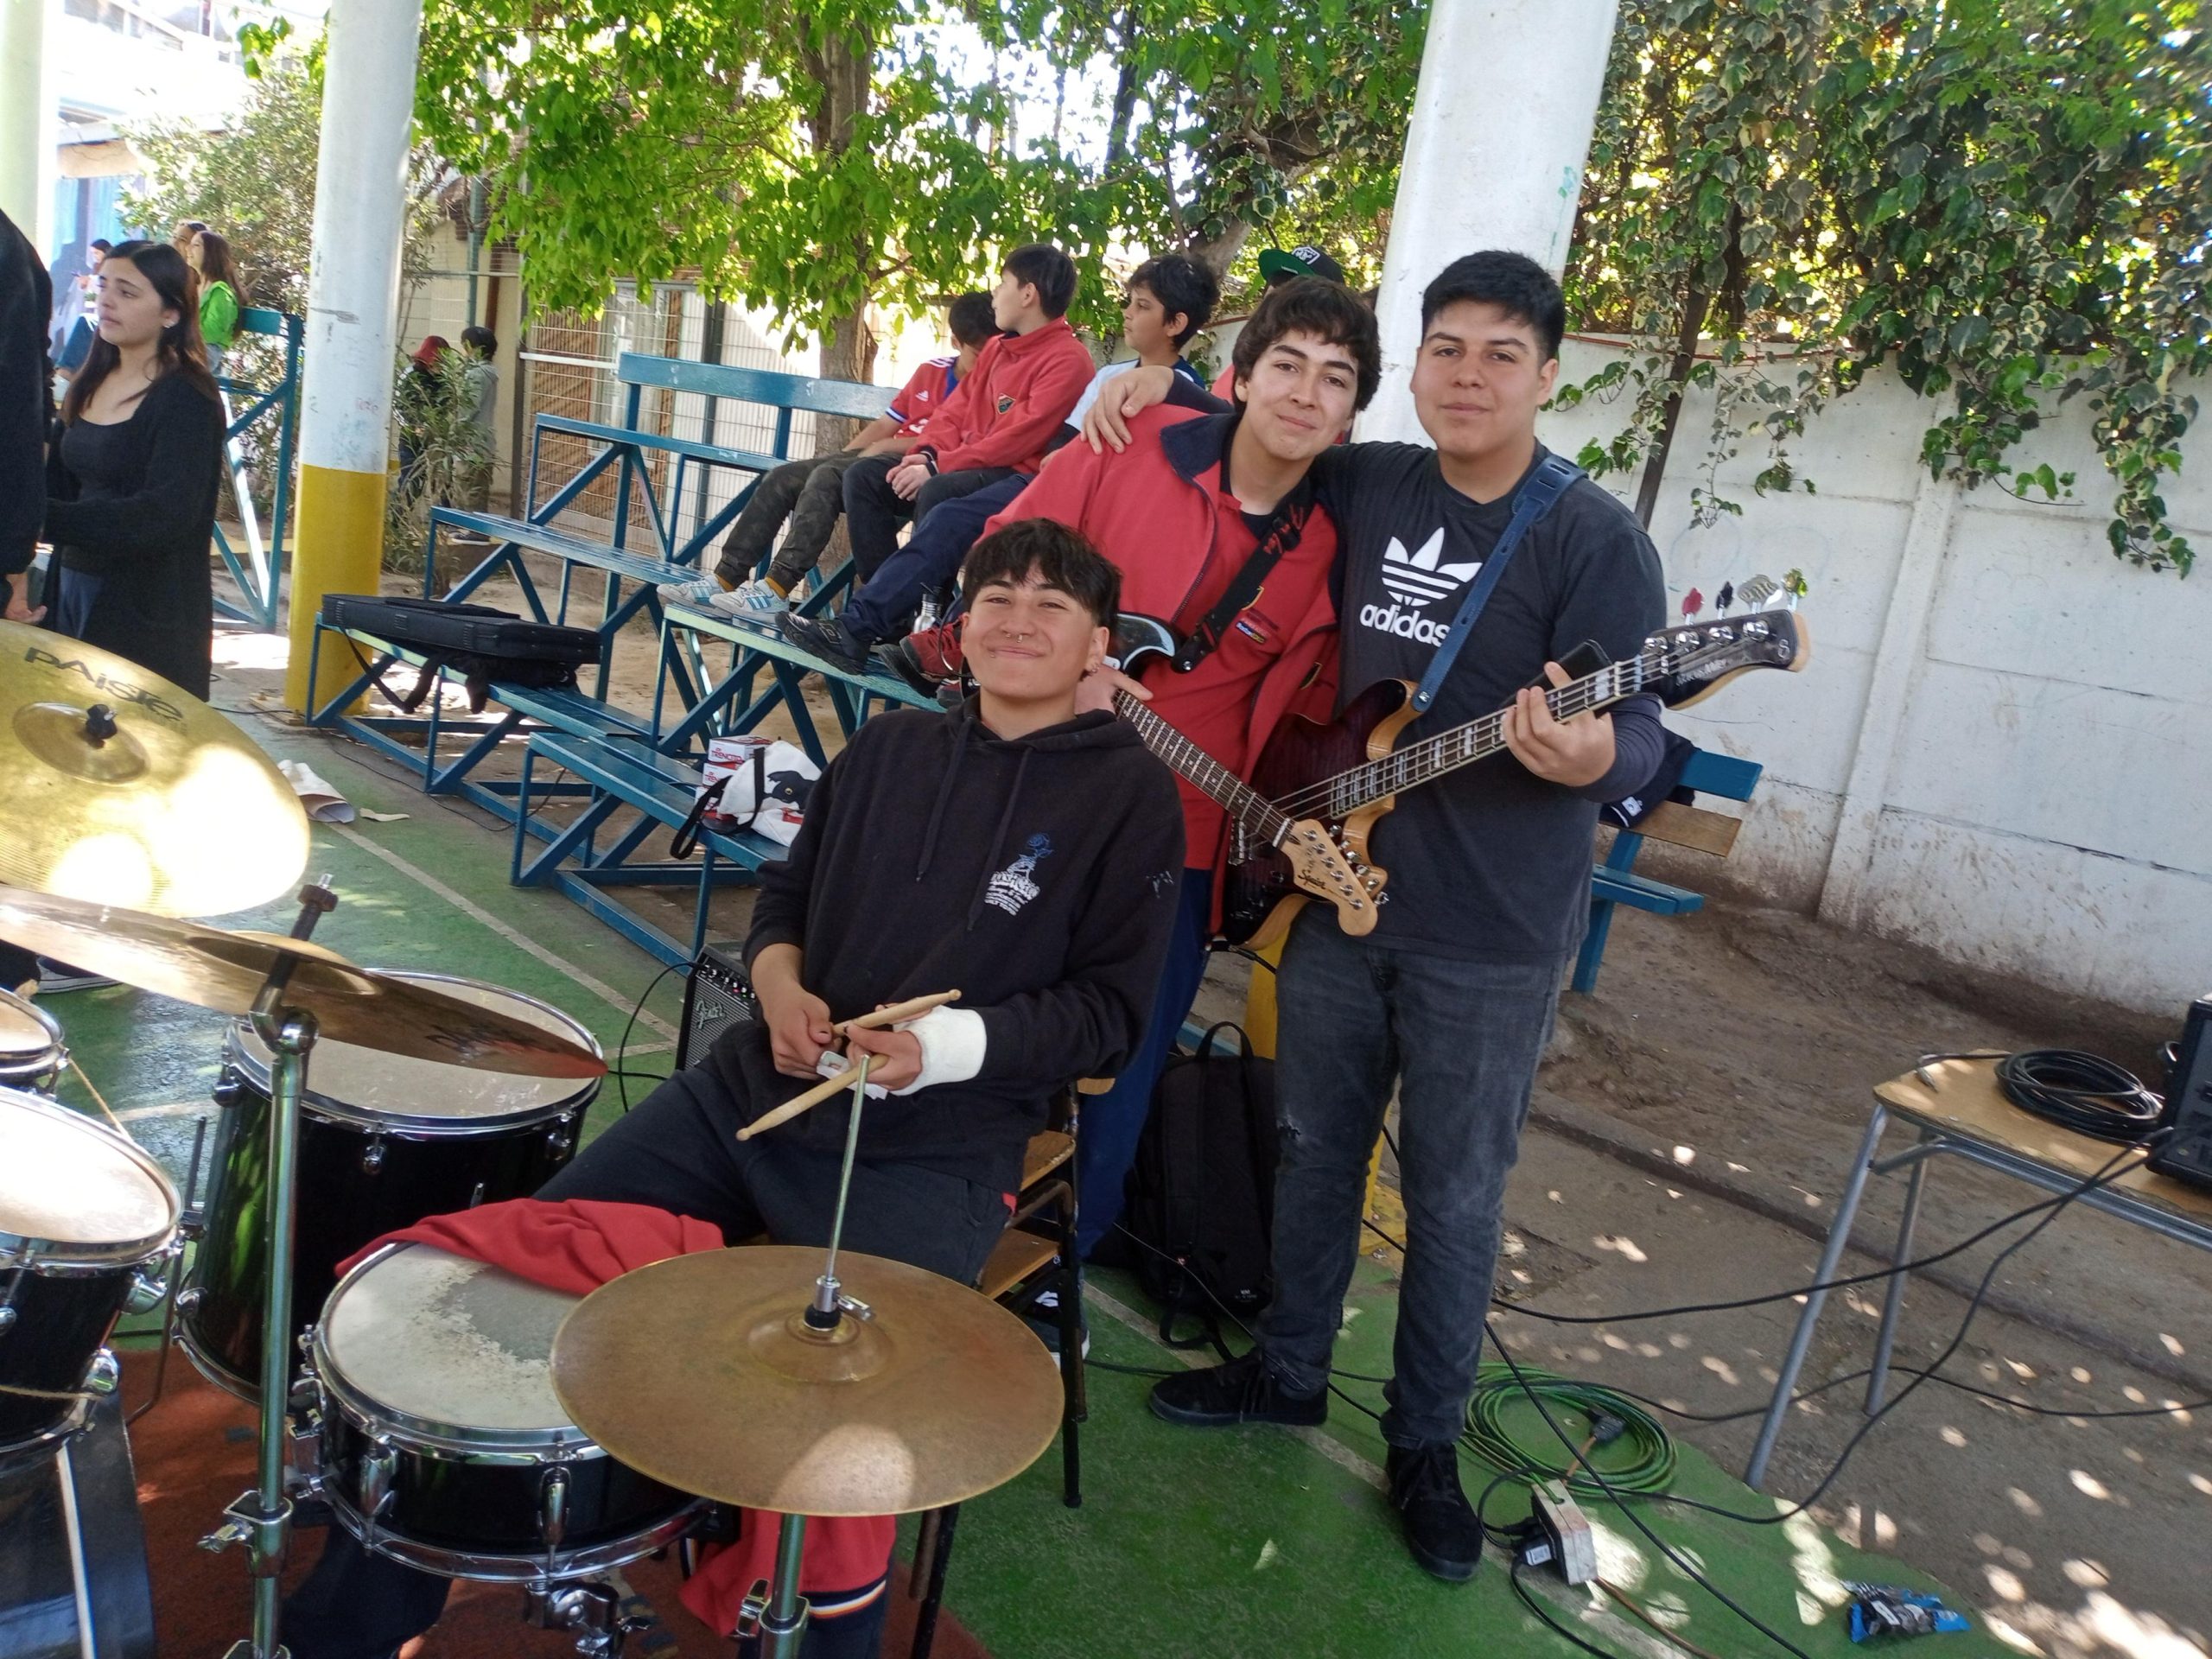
(569, 369)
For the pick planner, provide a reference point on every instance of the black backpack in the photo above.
(1201, 1197)
(475, 641)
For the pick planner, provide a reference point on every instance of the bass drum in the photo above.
(384, 1142)
(443, 1445)
(86, 1218)
(31, 1051)
(72, 1551)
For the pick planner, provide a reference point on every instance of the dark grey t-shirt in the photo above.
(1488, 862)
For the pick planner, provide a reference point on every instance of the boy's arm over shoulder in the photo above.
(1089, 1025)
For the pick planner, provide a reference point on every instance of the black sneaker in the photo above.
(1441, 1530)
(825, 636)
(1242, 1391)
(899, 657)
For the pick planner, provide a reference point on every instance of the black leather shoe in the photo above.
(1440, 1526)
(1242, 1391)
(826, 637)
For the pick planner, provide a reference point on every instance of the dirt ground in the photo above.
(1692, 1129)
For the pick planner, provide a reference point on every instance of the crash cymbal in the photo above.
(125, 788)
(225, 972)
(701, 1372)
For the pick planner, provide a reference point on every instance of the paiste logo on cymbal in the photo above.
(122, 691)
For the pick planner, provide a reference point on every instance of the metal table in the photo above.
(1957, 1109)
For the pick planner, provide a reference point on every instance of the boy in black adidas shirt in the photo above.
(1450, 1000)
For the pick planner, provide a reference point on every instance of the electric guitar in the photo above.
(1307, 857)
(1332, 784)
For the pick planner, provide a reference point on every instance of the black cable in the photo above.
(2080, 1092)
(1126, 1370)
(2111, 1171)
(1513, 1574)
(1680, 1564)
(622, 1048)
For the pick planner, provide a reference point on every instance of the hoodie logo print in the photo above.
(1011, 888)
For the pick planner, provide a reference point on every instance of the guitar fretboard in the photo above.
(1259, 816)
(1340, 796)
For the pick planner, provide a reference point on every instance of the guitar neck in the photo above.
(1416, 763)
(1260, 817)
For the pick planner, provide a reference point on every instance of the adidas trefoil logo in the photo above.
(1415, 578)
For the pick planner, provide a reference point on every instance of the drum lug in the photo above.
(7, 1318)
(148, 1291)
(553, 1507)
(561, 1137)
(372, 1155)
(188, 1298)
(105, 1376)
(378, 1465)
(229, 1089)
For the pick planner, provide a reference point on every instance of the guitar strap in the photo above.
(1537, 495)
(1285, 526)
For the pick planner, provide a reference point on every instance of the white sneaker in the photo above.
(699, 596)
(751, 599)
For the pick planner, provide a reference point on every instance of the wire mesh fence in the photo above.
(569, 368)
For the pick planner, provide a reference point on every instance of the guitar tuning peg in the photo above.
(1756, 591)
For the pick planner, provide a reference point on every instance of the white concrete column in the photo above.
(26, 116)
(1493, 160)
(368, 107)
(1899, 661)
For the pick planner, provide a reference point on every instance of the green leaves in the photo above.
(2010, 200)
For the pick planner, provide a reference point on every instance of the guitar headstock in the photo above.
(1320, 867)
(1689, 663)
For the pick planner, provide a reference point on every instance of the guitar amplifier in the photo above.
(716, 997)
(2186, 1154)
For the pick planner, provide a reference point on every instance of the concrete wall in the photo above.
(2002, 747)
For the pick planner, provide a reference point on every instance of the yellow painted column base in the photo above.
(339, 549)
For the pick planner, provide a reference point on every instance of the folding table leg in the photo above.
(1894, 1302)
(1839, 1236)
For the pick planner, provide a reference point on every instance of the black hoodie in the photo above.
(1036, 875)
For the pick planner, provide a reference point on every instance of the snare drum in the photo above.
(443, 1445)
(384, 1142)
(86, 1219)
(31, 1053)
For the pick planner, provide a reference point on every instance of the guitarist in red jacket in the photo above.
(1449, 1001)
(1213, 524)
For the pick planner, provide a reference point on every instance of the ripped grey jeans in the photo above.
(1460, 1040)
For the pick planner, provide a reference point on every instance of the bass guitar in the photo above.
(1335, 782)
(1308, 859)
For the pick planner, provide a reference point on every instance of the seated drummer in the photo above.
(1014, 851)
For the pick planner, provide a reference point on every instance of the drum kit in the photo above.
(448, 1415)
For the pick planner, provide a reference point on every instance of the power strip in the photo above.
(1566, 1530)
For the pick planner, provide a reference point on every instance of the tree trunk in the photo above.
(1217, 254)
(848, 352)
(1678, 374)
(1125, 102)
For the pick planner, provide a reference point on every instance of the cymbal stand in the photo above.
(778, 1614)
(262, 1518)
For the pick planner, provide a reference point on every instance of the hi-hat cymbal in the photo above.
(225, 972)
(701, 1371)
(125, 788)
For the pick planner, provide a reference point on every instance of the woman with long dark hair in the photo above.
(221, 293)
(131, 488)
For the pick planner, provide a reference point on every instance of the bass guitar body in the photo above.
(1260, 896)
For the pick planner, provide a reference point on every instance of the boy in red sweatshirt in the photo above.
(995, 425)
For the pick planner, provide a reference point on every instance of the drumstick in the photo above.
(896, 1012)
(822, 1091)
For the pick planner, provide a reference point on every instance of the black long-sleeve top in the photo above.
(26, 400)
(133, 504)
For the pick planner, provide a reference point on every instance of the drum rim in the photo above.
(379, 1420)
(254, 1071)
(42, 1254)
(28, 1064)
(490, 1567)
